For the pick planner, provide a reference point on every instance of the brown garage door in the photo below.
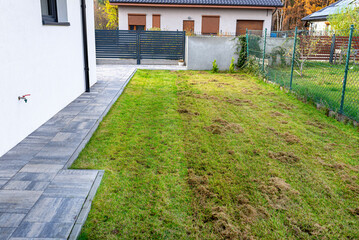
(242, 25)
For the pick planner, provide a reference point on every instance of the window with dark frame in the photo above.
(49, 11)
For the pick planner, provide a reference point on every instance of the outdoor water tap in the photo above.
(23, 97)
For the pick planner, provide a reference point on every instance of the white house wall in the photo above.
(172, 18)
(44, 61)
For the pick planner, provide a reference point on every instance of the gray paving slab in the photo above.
(10, 220)
(39, 197)
(5, 233)
(17, 201)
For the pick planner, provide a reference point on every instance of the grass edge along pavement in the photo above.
(198, 155)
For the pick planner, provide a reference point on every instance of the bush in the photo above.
(231, 67)
(241, 51)
(215, 66)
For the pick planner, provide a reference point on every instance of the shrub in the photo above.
(215, 66)
(231, 67)
(241, 51)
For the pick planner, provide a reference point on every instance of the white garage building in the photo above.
(217, 17)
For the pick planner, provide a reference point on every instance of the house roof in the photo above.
(323, 13)
(251, 3)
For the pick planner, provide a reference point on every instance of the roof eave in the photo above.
(194, 5)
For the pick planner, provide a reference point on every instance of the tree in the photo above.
(105, 15)
(343, 19)
(112, 15)
(307, 47)
(294, 10)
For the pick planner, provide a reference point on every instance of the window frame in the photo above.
(52, 18)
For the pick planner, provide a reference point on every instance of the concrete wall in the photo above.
(272, 43)
(172, 18)
(202, 50)
(44, 61)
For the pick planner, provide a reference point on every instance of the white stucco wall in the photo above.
(44, 61)
(319, 26)
(172, 18)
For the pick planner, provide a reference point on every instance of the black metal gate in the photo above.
(129, 44)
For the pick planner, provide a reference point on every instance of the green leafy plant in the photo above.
(344, 18)
(241, 50)
(278, 56)
(215, 66)
(253, 67)
(231, 67)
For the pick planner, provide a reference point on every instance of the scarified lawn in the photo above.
(195, 155)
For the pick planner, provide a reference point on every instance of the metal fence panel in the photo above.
(140, 44)
(321, 66)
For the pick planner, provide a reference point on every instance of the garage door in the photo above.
(242, 25)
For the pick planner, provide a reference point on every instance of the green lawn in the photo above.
(323, 83)
(196, 155)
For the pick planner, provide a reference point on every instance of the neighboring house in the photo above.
(197, 16)
(41, 53)
(318, 21)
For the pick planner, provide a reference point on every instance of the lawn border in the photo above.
(88, 136)
(86, 207)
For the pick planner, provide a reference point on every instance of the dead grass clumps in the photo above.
(223, 225)
(276, 114)
(340, 166)
(349, 180)
(200, 186)
(284, 157)
(220, 126)
(354, 211)
(302, 228)
(223, 84)
(289, 138)
(276, 192)
(218, 215)
(238, 102)
(186, 111)
(204, 96)
(285, 106)
(183, 111)
(317, 124)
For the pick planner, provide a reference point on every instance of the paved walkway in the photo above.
(39, 197)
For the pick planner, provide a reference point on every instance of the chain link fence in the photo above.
(322, 66)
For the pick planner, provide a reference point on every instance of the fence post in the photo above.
(332, 49)
(346, 69)
(184, 46)
(293, 57)
(264, 48)
(247, 36)
(138, 49)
